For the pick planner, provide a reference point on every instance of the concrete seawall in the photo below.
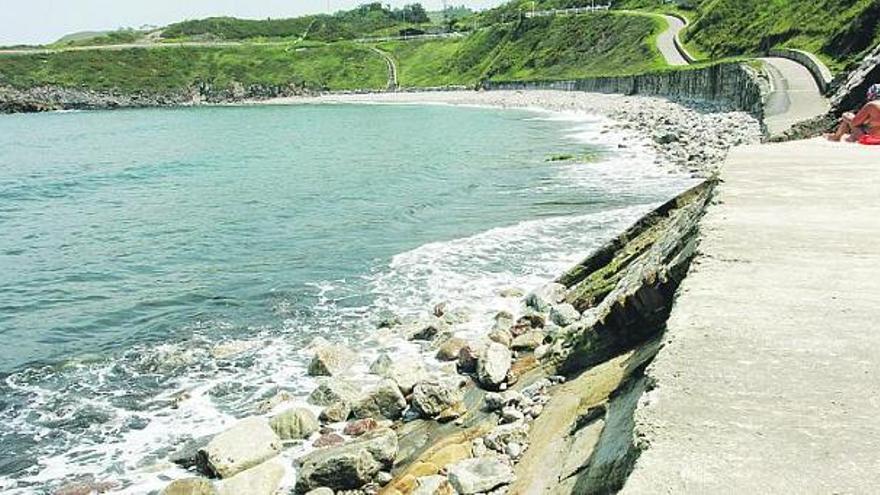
(731, 84)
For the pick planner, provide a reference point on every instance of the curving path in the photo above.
(794, 95)
(666, 41)
(393, 83)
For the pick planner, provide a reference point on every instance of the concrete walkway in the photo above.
(795, 96)
(666, 41)
(770, 378)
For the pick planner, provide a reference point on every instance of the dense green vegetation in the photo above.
(163, 69)
(839, 31)
(120, 37)
(370, 19)
(545, 48)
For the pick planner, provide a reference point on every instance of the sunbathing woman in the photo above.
(866, 122)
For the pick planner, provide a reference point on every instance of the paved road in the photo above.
(666, 41)
(795, 96)
(770, 378)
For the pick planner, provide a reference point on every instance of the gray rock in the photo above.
(190, 486)
(514, 450)
(248, 443)
(384, 477)
(333, 390)
(564, 314)
(450, 348)
(545, 297)
(493, 365)
(321, 491)
(479, 474)
(434, 397)
(294, 424)
(425, 329)
(457, 316)
(348, 466)
(276, 400)
(502, 336)
(433, 485)
(260, 480)
(503, 321)
(510, 414)
(332, 360)
(511, 292)
(336, 412)
(500, 436)
(384, 401)
(404, 371)
(528, 341)
(468, 357)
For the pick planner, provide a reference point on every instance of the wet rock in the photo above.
(387, 319)
(332, 360)
(545, 297)
(511, 292)
(189, 486)
(328, 440)
(360, 426)
(348, 466)
(528, 341)
(230, 349)
(433, 485)
(541, 351)
(457, 316)
(564, 314)
(336, 412)
(384, 401)
(333, 390)
(450, 348)
(503, 321)
(468, 357)
(513, 450)
(493, 365)
(321, 491)
(425, 329)
(440, 309)
(86, 485)
(384, 477)
(187, 455)
(248, 443)
(276, 400)
(479, 474)
(294, 424)
(404, 371)
(260, 480)
(527, 323)
(431, 398)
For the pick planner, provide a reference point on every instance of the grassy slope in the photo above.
(839, 31)
(542, 48)
(340, 66)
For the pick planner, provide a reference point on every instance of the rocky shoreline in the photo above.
(559, 377)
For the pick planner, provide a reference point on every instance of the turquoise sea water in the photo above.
(133, 243)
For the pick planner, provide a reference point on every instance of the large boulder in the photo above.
(248, 443)
(383, 401)
(468, 357)
(479, 474)
(294, 424)
(260, 480)
(493, 364)
(348, 466)
(332, 360)
(503, 321)
(501, 336)
(545, 297)
(336, 412)
(404, 371)
(433, 397)
(190, 486)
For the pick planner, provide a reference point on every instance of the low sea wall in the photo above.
(821, 73)
(731, 84)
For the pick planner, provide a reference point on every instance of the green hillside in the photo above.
(839, 31)
(541, 48)
(340, 66)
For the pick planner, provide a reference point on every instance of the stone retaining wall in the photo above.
(731, 84)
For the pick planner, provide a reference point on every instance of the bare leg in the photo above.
(843, 129)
